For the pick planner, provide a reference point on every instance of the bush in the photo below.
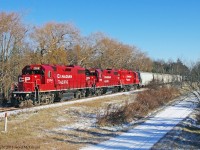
(145, 102)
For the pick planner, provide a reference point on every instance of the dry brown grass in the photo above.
(38, 129)
(26, 131)
(145, 102)
(98, 103)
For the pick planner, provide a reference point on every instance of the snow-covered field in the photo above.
(145, 135)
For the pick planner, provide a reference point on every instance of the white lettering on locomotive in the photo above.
(129, 76)
(107, 77)
(64, 76)
(62, 81)
(49, 80)
(24, 79)
(21, 79)
(106, 81)
(128, 80)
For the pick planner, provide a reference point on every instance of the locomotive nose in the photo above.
(28, 82)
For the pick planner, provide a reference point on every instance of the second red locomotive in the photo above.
(43, 84)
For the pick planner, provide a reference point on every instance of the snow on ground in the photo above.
(186, 135)
(145, 135)
(84, 120)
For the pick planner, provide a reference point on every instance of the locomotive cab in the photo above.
(33, 80)
(96, 77)
(31, 77)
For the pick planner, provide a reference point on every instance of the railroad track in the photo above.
(15, 111)
(5, 109)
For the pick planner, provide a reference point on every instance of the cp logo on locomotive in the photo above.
(25, 79)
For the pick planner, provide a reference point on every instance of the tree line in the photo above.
(62, 43)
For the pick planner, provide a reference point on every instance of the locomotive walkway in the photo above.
(145, 135)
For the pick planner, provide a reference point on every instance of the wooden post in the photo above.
(6, 121)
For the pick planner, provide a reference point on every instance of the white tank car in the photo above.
(147, 77)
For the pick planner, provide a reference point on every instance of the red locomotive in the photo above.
(43, 84)
(129, 79)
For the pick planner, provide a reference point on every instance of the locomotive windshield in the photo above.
(32, 71)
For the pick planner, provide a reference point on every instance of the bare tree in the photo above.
(141, 61)
(84, 53)
(53, 39)
(12, 35)
(113, 54)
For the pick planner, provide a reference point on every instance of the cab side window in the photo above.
(42, 72)
(49, 74)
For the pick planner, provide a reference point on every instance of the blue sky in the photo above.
(165, 29)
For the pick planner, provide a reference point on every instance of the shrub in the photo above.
(145, 102)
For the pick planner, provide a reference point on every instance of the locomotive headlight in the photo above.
(27, 95)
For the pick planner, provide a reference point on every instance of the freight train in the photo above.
(44, 84)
